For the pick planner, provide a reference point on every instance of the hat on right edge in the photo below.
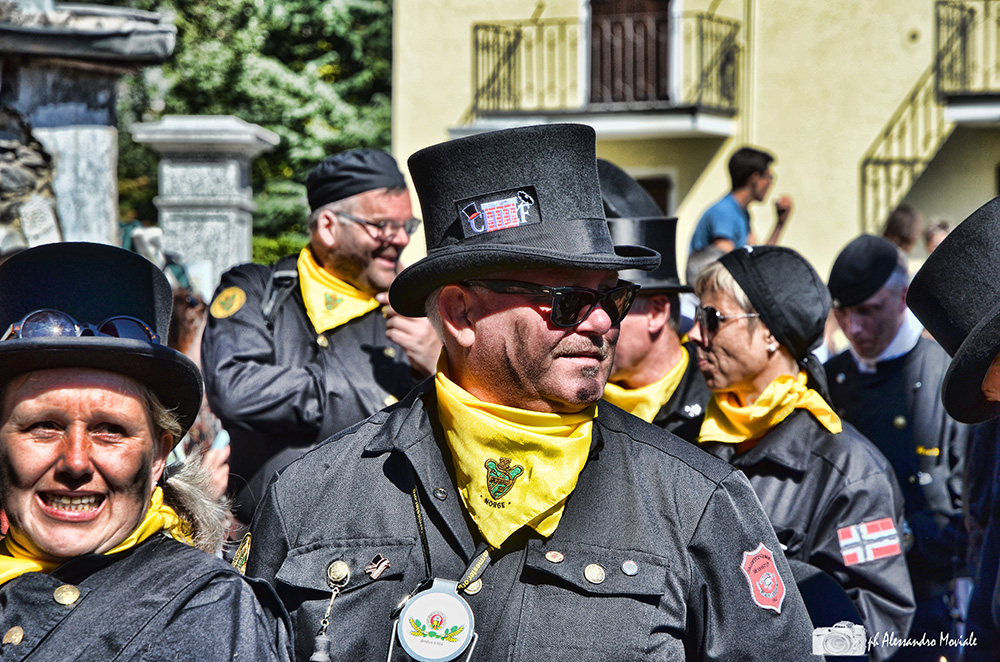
(955, 296)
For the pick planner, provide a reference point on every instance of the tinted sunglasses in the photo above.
(710, 319)
(569, 305)
(49, 323)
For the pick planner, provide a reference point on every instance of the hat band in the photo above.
(574, 237)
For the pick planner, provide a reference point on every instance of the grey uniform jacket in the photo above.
(279, 387)
(816, 486)
(687, 520)
(162, 601)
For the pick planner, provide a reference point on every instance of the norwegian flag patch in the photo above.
(869, 541)
(499, 211)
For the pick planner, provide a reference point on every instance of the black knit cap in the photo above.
(861, 269)
(349, 173)
(790, 296)
(524, 198)
(635, 218)
(955, 296)
(91, 283)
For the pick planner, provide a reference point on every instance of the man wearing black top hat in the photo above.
(653, 375)
(887, 385)
(298, 351)
(955, 295)
(517, 516)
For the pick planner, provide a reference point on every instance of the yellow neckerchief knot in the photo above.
(728, 422)
(22, 555)
(330, 302)
(513, 467)
(646, 401)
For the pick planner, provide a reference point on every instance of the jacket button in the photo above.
(474, 587)
(899, 422)
(440, 493)
(630, 568)
(594, 573)
(14, 635)
(389, 352)
(66, 594)
(552, 556)
(840, 378)
(322, 341)
(338, 573)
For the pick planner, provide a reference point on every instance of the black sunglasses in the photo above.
(710, 319)
(569, 305)
(49, 323)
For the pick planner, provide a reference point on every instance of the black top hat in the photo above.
(91, 283)
(635, 218)
(861, 269)
(956, 297)
(522, 198)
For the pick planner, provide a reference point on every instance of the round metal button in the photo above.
(474, 587)
(322, 341)
(840, 378)
(66, 594)
(630, 568)
(14, 635)
(338, 572)
(552, 556)
(899, 422)
(594, 573)
(389, 352)
(440, 493)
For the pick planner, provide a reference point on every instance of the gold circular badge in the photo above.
(15, 635)
(66, 594)
(228, 302)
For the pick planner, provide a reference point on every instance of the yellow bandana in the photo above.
(514, 467)
(24, 556)
(646, 401)
(728, 422)
(329, 301)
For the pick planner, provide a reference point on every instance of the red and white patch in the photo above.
(766, 586)
(869, 541)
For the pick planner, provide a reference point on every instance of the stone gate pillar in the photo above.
(205, 201)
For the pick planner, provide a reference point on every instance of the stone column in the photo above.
(205, 201)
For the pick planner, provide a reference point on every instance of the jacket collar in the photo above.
(788, 444)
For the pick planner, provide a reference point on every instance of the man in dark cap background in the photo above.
(295, 352)
(654, 376)
(887, 385)
(502, 495)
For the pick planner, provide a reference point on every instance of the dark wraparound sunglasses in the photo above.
(49, 323)
(569, 305)
(710, 319)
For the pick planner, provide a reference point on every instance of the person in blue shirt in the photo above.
(726, 225)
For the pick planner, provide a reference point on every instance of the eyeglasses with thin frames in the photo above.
(384, 230)
(709, 319)
(569, 306)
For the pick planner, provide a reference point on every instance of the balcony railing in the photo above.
(537, 66)
(968, 61)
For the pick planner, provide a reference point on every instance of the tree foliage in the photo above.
(315, 73)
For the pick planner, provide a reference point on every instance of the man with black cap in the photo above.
(653, 377)
(887, 385)
(955, 295)
(510, 510)
(296, 352)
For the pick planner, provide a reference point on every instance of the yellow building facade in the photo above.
(865, 105)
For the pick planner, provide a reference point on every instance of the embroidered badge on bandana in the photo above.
(499, 211)
(869, 541)
(766, 586)
(500, 477)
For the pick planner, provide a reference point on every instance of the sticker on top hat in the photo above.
(436, 625)
(499, 211)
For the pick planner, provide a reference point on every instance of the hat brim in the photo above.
(414, 284)
(173, 377)
(962, 389)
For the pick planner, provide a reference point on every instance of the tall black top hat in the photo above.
(92, 283)
(525, 198)
(956, 297)
(635, 218)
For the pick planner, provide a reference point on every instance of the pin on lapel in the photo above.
(378, 565)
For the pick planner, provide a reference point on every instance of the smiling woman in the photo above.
(89, 411)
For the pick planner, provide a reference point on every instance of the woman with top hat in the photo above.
(102, 559)
(829, 493)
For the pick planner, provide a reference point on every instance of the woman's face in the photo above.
(734, 357)
(78, 461)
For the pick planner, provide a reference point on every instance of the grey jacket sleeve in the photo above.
(743, 603)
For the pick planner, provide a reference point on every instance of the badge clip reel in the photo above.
(338, 573)
(435, 625)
